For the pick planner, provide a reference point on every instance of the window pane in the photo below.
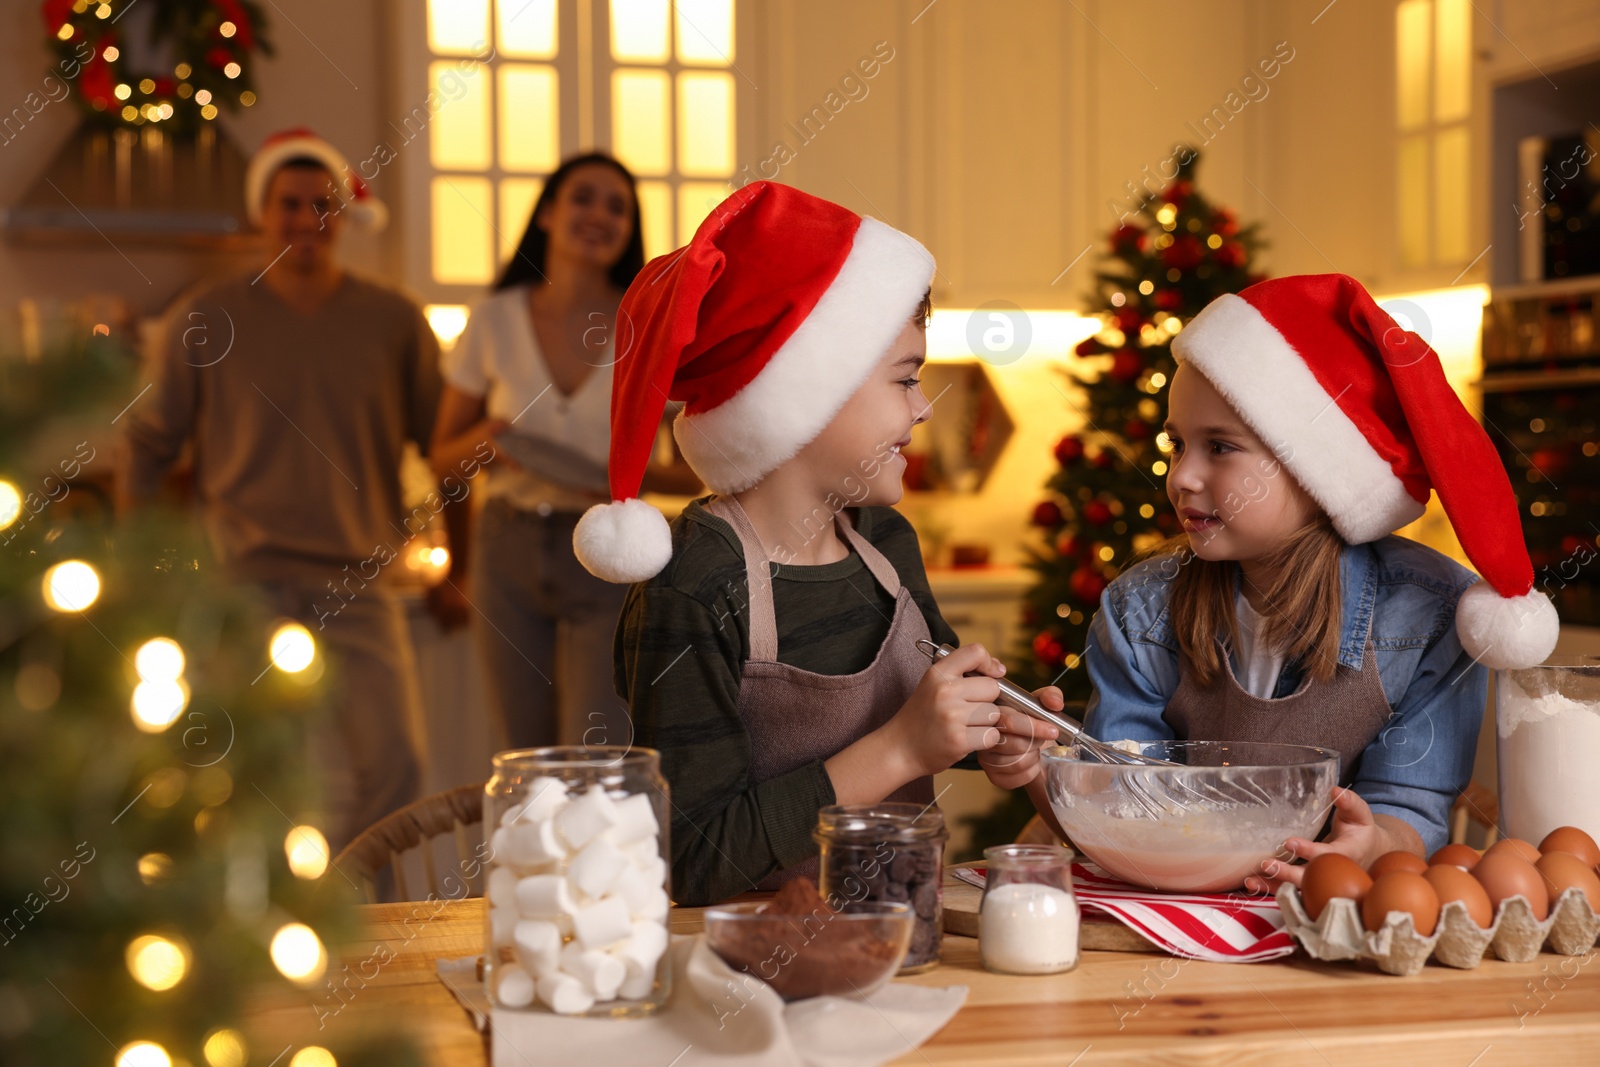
(1411, 200)
(1450, 149)
(463, 241)
(1452, 60)
(641, 122)
(695, 201)
(526, 29)
(1412, 62)
(517, 196)
(705, 31)
(529, 119)
(655, 213)
(460, 130)
(705, 124)
(639, 31)
(458, 27)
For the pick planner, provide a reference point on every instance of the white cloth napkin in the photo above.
(716, 1016)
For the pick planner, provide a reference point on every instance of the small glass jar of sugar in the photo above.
(1028, 919)
(1548, 721)
(578, 881)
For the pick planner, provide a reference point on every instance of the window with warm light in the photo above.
(1433, 101)
(651, 81)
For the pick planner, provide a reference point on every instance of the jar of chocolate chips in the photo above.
(887, 851)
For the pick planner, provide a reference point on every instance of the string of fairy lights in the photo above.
(160, 960)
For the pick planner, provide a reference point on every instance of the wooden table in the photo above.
(1114, 1008)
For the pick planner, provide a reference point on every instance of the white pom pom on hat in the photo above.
(1360, 412)
(764, 325)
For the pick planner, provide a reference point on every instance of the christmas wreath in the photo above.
(200, 53)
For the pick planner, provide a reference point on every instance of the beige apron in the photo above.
(1344, 713)
(794, 716)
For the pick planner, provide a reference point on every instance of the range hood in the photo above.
(138, 185)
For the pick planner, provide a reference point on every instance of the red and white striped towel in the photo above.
(1219, 927)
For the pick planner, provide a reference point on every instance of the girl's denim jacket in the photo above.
(1406, 593)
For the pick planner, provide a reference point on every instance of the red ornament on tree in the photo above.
(1047, 648)
(1047, 513)
(1225, 222)
(1104, 459)
(1126, 365)
(1090, 347)
(1184, 253)
(1067, 546)
(1069, 450)
(1126, 237)
(1086, 585)
(1128, 319)
(1136, 430)
(1169, 300)
(1231, 255)
(1097, 512)
(1177, 194)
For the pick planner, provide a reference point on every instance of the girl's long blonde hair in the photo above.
(1302, 617)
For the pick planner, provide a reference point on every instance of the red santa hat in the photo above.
(1359, 411)
(763, 326)
(298, 143)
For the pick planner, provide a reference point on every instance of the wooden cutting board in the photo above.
(1097, 930)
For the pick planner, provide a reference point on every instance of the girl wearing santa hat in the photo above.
(768, 646)
(1306, 426)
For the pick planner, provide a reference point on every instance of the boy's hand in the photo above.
(1356, 833)
(950, 715)
(1014, 762)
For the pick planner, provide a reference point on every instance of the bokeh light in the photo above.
(156, 962)
(297, 952)
(225, 1048)
(313, 1056)
(10, 504)
(71, 586)
(159, 659)
(154, 867)
(307, 850)
(143, 1054)
(157, 704)
(292, 648)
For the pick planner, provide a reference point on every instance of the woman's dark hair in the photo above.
(527, 263)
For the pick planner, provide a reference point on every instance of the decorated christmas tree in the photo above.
(1168, 259)
(161, 869)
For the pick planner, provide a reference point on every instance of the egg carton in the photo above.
(1515, 935)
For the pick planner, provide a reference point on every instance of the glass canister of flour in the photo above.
(1028, 920)
(578, 881)
(887, 851)
(1548, 721)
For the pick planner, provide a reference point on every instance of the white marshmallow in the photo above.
(639, 956)
(602, 924)
(653, 908)
(538, 945)
(655, 871)
(633, 886)
(564, 994)
(582, 820)
(642, 853)
(513, 987)
(543, 798)
(602, 974)
(636, 820)
(501, 889)
(532, 844)
(637, 987)
(545, 896)
(502, 924)
(595, 869)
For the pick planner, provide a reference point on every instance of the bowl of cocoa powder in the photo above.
(802, 947)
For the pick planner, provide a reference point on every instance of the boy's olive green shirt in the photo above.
(680, 650)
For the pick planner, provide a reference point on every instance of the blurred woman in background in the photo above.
(529, 382)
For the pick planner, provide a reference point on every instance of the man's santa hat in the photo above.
(763, 326)
(1359, 411)
(355, 199)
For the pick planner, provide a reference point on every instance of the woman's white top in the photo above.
(498, 358)
(1258, 667)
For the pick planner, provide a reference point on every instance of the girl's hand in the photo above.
(1014, 762)
(1356, 833)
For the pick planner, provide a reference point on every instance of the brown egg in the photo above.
(1562, 870)
(1505, 875)
(1397, 861)
(1452, 883)
(1404, 891)
(1332, 875)
(1464, 856)
(1516, 846)
(1573, 840)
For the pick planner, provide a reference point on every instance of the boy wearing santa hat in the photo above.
(768, 645)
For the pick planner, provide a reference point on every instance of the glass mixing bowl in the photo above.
(1199, 827)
